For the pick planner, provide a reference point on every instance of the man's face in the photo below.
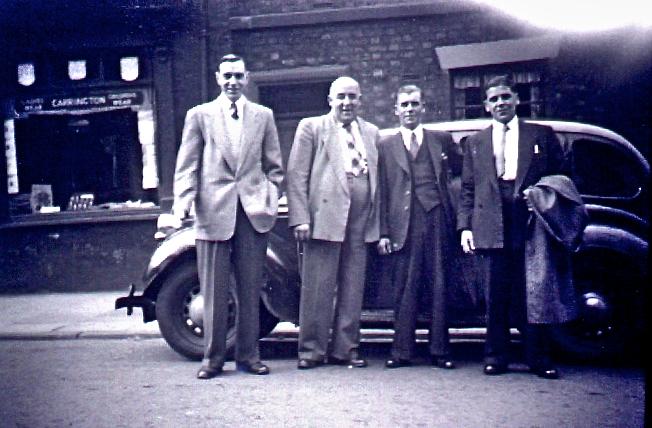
(232, 78)
(409, 109)
(501, 102)
(344, 99)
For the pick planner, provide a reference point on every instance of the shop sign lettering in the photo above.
(113, 99)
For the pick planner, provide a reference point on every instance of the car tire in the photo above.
(608, 288)
(173, 306)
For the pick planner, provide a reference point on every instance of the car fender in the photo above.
(280, 295)
(619, 240)
(173, 247)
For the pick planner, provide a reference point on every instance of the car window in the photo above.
(603, 168)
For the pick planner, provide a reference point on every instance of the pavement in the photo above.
(70, 316)
(50, 316)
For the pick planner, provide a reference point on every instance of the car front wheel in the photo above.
(179, 311)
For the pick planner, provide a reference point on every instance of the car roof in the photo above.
(474, 125)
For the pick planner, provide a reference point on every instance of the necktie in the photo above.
(358, 164)
(500, 155)
(414, 146)
(234, 111)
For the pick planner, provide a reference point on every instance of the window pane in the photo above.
(601, 169)
(296, 99)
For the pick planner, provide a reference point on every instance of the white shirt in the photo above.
(511, 145)
(407, 135)
(233, 126)
(357, 140)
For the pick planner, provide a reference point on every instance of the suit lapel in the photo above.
(486, 155)
(334, 150)
(399, 152)
(526, 141)
(221, 136)
(435, 150)
(248, 127)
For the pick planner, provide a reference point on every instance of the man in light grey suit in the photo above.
(333, 208)
(229, 165)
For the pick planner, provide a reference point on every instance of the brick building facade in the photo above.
(294, 49)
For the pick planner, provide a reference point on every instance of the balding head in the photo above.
(344, 99)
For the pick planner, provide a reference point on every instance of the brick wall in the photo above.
(381, 54)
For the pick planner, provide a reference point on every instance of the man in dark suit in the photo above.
(500, 162)
(229, 166)
(332, 198)
(416, 222)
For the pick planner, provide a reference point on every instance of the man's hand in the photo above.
(384, 246)
(302, 232)
(467, 242)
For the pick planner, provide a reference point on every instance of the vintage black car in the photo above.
(610, 269)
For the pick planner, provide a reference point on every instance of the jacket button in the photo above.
(406, 208)
(407, 192)
(395, 246)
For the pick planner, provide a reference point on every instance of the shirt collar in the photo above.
(354, 123)
(225, 102)
(512, 124)
(407, 133)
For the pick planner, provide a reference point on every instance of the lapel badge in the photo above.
(536, 149)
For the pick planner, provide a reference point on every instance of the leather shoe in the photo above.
(305, 364)
(443, 363)
(256, 368)
(494, 369)
(395, 363)
(546, 372)
(351, 362)
(208, 373)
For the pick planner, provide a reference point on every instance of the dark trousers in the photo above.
(332, 288)
(419, 272)
(245, 251)
(502, 271)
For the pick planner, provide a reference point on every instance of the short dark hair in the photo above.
(408, 89)
(500, 80)
(231, 58)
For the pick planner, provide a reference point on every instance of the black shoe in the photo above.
(443, 362)
(546, 372)
(395, 363)
(494, 369)
(305, 364)
(208, 373)
(256, 368)
(351, 362)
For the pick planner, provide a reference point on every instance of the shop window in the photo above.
(77, 157)
(468, 92)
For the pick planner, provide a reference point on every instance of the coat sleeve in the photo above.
(272, 159)
(467, 191)
(186, 174)
(383, 189)
(298, 173)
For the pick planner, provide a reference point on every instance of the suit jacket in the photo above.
(480, 209)
(209, 175)
(396, 182)
(317, 187)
